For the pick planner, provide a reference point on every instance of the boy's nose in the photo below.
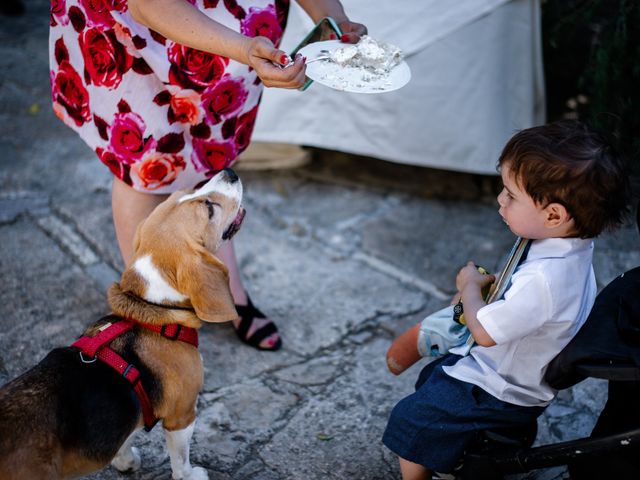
(500, 197)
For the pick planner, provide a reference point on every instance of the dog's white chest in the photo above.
(158, 290)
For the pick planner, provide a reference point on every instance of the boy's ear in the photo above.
(556, 215)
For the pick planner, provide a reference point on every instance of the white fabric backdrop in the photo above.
(476, 79)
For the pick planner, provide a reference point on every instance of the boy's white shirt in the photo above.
(549, 299)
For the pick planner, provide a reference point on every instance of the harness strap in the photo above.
(175, 332)
(97, 347)
(106, 334)
(132, 374)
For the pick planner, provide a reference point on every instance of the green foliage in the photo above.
(592, 66)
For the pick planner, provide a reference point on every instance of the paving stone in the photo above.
(337, 434)
(14, 204)
(47, 300)
(417, 236)
(316, 302)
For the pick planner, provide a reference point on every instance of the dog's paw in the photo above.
(197, 473)
(127, 460)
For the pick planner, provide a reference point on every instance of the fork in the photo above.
(322, 55)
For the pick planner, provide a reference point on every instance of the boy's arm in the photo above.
(469, 283)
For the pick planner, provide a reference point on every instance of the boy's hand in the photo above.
(469, 275)
(469, 282)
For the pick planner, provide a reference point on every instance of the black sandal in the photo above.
(248, 313)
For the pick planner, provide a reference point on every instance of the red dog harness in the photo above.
(97, 347)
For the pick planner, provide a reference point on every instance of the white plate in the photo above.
(351, 79)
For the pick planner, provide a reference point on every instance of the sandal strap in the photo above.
(247, 314)
(260, 334)
(249, 310)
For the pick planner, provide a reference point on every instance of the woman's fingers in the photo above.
(351, 32)
(274, 67)
(291, 76)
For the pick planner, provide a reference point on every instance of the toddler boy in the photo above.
(563, 185)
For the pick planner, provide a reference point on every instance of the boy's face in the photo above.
(524, 217)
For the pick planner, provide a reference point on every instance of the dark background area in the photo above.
(592, 67)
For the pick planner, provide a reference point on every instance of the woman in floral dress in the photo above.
(166, 93)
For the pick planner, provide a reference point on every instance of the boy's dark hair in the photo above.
(566, 162)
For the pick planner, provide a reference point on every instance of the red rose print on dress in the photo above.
(184, 107)
(58, 12)
(235, 9)
(262, 22)
(106, 59)
(69, 95)
(77, 19)
(244, 128)
(126, 136)
(194, 69)
(211, 156)
(98, 12)
(224, 99)
(282, 11)
(118, 168)
(158, 169)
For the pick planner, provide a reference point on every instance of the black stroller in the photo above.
(607, 347)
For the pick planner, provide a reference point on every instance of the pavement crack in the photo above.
(70, 240)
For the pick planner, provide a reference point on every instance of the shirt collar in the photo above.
(558, 247)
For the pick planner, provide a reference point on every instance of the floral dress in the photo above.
(160, 115)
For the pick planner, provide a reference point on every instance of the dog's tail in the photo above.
(128, 305)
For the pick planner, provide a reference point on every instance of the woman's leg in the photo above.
(413, 471)
(129, 208)
(226, 253)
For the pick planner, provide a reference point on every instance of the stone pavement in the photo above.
(343, 254)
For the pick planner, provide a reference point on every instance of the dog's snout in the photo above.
(231, 175)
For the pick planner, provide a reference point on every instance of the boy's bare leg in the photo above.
(129, 208)
(413, 471)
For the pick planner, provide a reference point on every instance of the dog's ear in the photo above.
(205, 280)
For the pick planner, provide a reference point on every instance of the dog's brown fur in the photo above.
(36, 439)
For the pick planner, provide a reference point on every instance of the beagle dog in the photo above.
(73, 413)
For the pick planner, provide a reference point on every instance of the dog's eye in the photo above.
(210, 207)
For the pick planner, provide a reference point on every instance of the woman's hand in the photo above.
(352, 31)
(273, 66)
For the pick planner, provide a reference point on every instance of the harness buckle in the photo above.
(105, 326)
(83, 360)
(163, 332)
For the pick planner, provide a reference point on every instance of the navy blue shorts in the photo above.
(434, 425)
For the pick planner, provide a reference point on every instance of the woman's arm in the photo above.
(180, 22)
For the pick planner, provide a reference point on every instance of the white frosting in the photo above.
(377, 58)
(367, 66)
